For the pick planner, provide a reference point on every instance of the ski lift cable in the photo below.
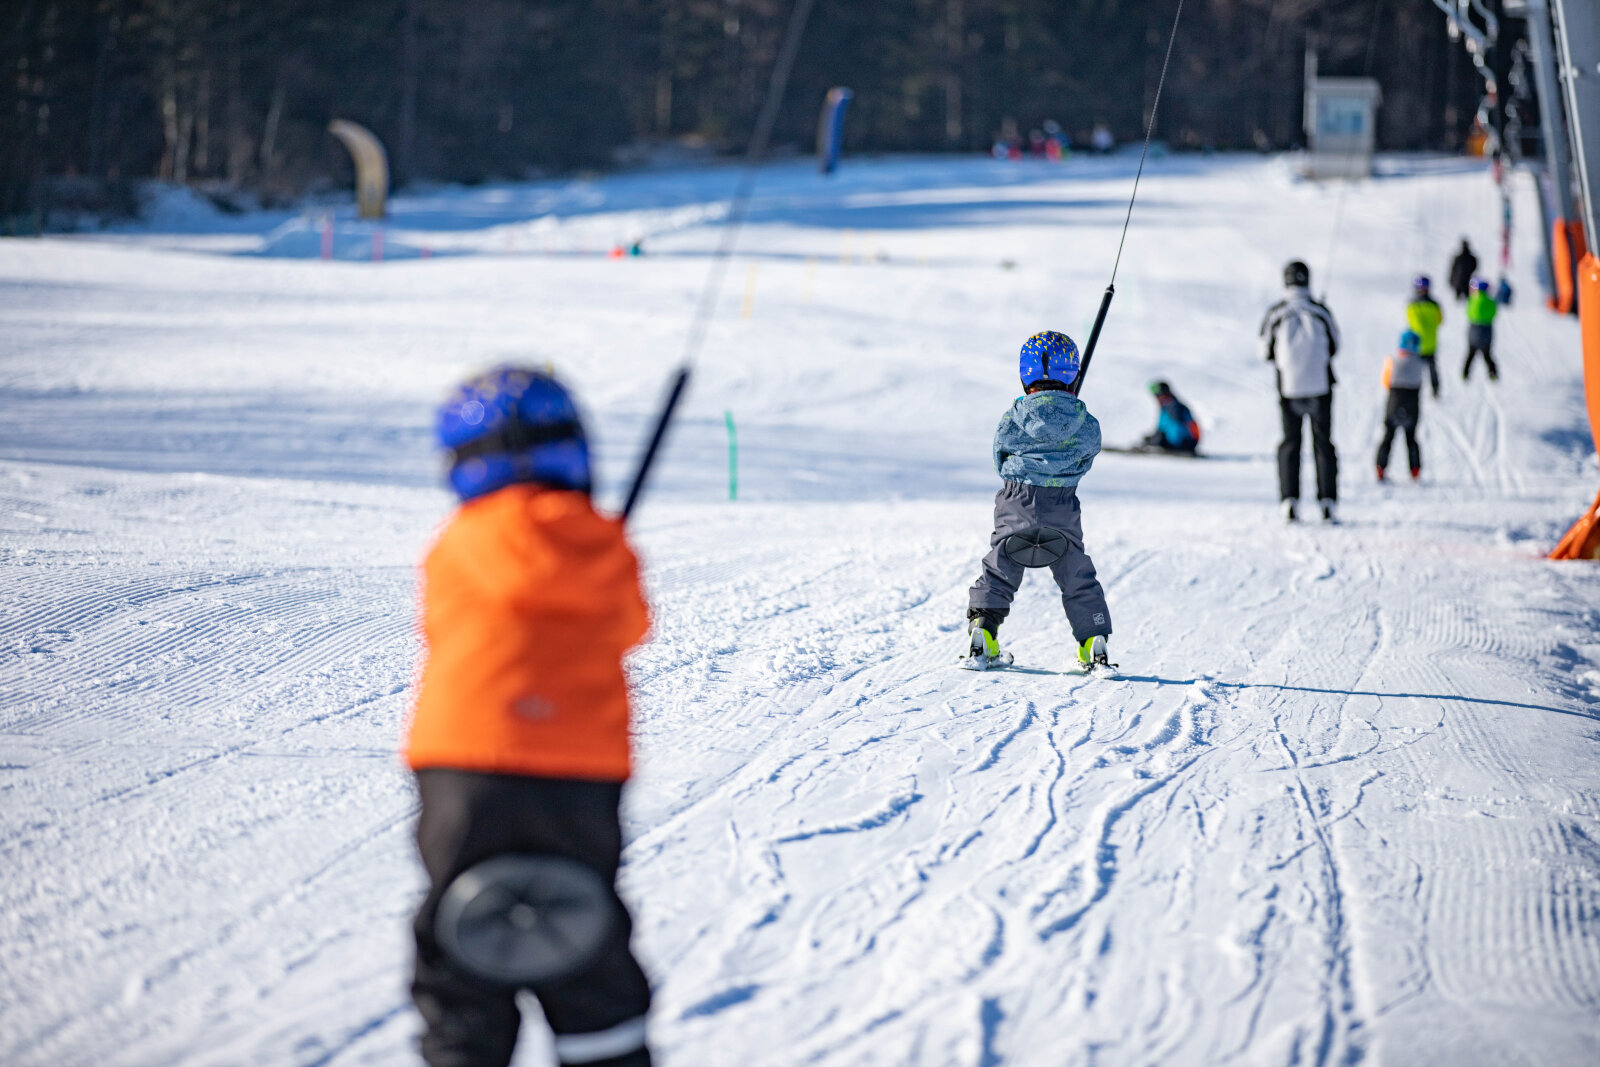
(711, 289)
(1111, 286)
(1149, 131)
(1344, 190)
(754, 157)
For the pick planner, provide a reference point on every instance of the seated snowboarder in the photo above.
(1176, 430)
(1043, 446)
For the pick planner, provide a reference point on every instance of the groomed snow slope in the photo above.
(1342, 806)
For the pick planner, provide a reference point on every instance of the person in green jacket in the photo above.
(1480, 329)
(1424, 315)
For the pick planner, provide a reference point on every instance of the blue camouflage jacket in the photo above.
(1047, 438)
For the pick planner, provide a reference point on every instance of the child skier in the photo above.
(1424, 315)
(1402, 376)
(1176, 430)
(519, 740)
(1480, 329)
(1043, 446)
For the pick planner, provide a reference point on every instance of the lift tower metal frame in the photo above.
(1578, 31)
(1564, 242)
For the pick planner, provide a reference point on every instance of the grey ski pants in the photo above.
(1019, 506)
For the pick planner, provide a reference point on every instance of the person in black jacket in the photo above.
(1462, 268)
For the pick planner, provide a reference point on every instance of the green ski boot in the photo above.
(983, 649)
(1092, 658)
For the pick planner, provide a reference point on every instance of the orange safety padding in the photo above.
(530, 599)
(1567, 246)
(1583, 540)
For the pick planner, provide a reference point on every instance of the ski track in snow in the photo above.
(1339, 806)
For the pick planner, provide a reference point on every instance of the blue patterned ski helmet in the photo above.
(1048, 356)
(510, 425)
(1411, 341)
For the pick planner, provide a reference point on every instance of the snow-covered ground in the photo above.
(1343, 805)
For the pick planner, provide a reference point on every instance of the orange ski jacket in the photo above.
(530, 599)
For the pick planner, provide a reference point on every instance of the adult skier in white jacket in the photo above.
(1301, 338)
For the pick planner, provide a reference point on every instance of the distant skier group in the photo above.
(1299, 335)
(1415, 360)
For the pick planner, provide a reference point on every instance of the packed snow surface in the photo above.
(1342, 805)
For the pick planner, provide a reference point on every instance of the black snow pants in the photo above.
(1480, 340)
(1432, 363)
(598, 1014)
(1020, 506)
(1319, 409)
(1403, 413)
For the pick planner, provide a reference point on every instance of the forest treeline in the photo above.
(237, 94)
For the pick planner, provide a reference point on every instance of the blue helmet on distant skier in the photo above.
(1048, 357)
(1411, 341)
(509, 425)
(1421, 284)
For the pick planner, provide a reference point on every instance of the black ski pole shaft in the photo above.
(1149, 131)
(1094, 339)
(648, 459)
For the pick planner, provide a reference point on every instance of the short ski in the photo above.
(1092, 659)
(1150, 450)
(983, 651)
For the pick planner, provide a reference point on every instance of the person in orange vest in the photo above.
(519, 739)
(1403, 377)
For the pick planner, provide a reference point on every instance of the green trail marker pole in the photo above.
(733, 457)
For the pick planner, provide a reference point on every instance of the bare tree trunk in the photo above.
(202, 126)
(169, 125)
(180, 158)
(97, 99)
(411, 62)
(44, 88)
(269, 133)
(665, 72)
(164, 33)
(238, 139)
(955, 31)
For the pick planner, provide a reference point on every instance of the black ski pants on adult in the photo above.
(1319, 409)
(1480, 341)
(1019, 506)
(468, 817)
(1403, 413)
